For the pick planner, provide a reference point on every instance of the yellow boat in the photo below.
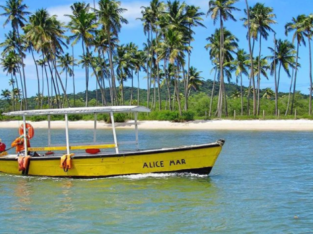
(87, 161)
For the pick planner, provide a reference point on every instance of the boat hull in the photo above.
(198, 159)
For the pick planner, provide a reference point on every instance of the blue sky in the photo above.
(133, 32)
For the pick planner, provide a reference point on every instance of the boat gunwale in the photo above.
(218, 143)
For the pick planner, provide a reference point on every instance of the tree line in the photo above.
(165, 58)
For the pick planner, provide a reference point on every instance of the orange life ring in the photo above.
(30, 132)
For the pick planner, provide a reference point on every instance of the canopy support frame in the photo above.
(67, 135)
(25, 136)
(114, 132)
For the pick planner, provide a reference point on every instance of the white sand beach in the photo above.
(253, 125)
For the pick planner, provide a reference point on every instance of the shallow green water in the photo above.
(261, 183)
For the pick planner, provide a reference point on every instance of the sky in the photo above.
(285, 10)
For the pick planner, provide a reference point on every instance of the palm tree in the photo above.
(11, 66)
(261, 19)
(42, 64)
(139, 64)
(15, 12)
(172, 49)
(221, 9)
(66, 62)
(83, 26)
(85, 61)
(147, 29)
(251, 33)
(236, 94)
(132, 51)
(229, 48)
(12, 61)
(306, 26)
(260, 67)
(6, 94)
(193, 18)
(283, 57)
(100, 68)
(123, 66)
(110, 18)
(45, 33)
(268, 93)
(194, 79)
(241, 66)
(295, 25)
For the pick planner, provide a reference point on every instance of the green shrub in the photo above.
(38, 118)
(167, 115)
(187, 116)
(118, 117)
(74, 117)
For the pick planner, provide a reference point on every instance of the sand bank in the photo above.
(276, 125)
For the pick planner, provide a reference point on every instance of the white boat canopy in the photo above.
(80, 110)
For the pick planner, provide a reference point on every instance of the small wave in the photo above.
(160, 175)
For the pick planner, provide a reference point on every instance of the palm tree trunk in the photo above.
(22, 88)
(212, 93)
(48, 89)
(154, 94)
(138, 93)
(149, 68)
(38, 81)
(290, 88)
(100, 86)
(42, 86)
(167, 78)
(295, 79)
(241, 96)
(275, 78)
(53, 84)
(114, 99)
(220, 100)
(259, 74)
(61, 83)
(177, 90)
(131, 90)
(159, 93)
(86, 74)
(310, 65)
(74, 95)
(251, 58)
(225, 100)
(188, 71)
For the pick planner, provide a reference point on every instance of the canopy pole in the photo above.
(67, 136)
(49, 130)
(25, 137)
(136, 129)
(114, 132)
(95, 129)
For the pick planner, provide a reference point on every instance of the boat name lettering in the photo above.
(161, 163)
(153, 164)
(177, 162)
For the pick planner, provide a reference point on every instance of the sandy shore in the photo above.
(254, 125)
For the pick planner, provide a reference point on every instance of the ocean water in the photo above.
(261, 183)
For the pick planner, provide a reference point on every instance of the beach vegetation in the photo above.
(175, 88)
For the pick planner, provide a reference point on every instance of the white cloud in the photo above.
(133, 13)
(60, 12)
